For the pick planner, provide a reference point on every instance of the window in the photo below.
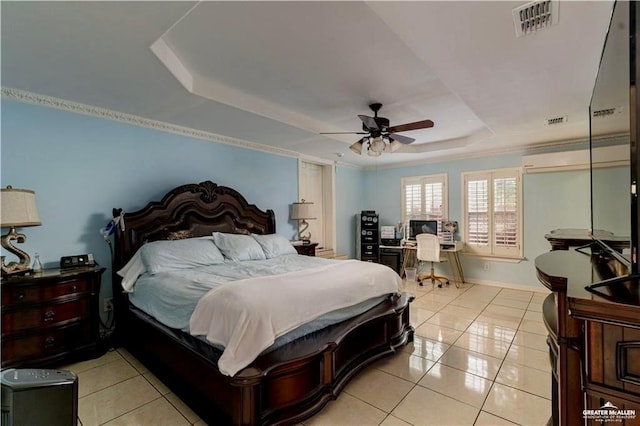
(425, 197)
(493, 212)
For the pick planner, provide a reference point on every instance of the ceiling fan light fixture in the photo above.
(380, 137)
(357, 147)
(377, 145)
(393, 146)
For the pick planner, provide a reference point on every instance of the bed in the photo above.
(280, 386)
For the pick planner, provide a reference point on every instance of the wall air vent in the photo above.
(603, 112)
(535, 16)
(556, 120)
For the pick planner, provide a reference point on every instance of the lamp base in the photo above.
(304, 225)
(23, 265)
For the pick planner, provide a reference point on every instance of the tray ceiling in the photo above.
(280, 73)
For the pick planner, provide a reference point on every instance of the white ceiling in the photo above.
(280, 73)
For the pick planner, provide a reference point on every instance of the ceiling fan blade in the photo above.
(369, 122)
(424, 124)
(402, 139)
(344, 133)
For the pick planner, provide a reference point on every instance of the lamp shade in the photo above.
(18, 208)
(302, 210)
(357, 147)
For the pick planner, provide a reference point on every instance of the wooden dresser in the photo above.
(594, 339)
(50, 317)
(564, 239)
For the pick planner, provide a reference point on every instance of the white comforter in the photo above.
(247, 316)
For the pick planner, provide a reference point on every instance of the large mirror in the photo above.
(610, 131)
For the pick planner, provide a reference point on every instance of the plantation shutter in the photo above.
(425, 198)
(505, 214)
(492, 212)
(412, 199)
(433, 194)
(477, 190)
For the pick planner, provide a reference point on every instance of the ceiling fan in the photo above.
(380, 137)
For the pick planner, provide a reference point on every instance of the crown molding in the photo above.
(107, 114)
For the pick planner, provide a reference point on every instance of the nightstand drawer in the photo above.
(50, 317)
(43, 316)
(35, 293)
(306, 249)
(47, 343)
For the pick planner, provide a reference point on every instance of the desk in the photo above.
(452, 251)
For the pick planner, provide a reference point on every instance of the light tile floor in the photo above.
(479, 358)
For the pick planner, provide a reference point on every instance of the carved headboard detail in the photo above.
(192, 210)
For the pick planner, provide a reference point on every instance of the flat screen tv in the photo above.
(613, 120)
(422, 227)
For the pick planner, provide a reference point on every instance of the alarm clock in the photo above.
(77, 261)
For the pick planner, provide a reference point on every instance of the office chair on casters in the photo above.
(429, 251)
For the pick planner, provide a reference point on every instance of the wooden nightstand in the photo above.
(50, 317)
(307, 249)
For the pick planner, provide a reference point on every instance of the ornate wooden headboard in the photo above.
(192, 210)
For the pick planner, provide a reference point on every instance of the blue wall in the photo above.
(81, 167)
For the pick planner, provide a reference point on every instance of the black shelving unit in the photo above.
(368, 236)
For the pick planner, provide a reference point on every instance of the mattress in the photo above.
(170, 297)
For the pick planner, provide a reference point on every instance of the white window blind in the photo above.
(493, 211)
(478, 212)
(425, 197)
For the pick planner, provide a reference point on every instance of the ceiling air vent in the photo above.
(603, 112)
(535, 16)
(556, 120)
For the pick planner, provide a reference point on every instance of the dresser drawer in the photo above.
(613, 357)
(46, 343)
(44, 315)
(35, 293)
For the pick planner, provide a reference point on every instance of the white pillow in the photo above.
(238, 247)
(160, 256)
(131, 271)
(274, 245)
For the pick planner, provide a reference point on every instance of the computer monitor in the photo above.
(422, 227)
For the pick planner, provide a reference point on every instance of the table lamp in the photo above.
(18, 209)
(302, 211)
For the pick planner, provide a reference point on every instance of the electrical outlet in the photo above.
(108, 304)
(487, 266)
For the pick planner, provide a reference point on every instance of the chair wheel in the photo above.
(420, 283)
(439, 285)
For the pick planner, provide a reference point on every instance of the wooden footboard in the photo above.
(281, 387)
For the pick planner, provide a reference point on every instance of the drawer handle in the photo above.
(49, 316)
(21, 295)
(49, 342)
(74, 288)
